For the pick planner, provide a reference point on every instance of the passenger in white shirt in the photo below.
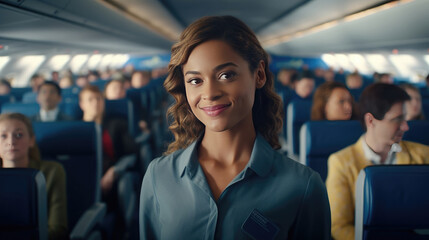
(49, 97)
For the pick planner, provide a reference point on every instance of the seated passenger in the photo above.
(332, 101)
(19, 150)
(354, 81)
(116, 143)
(222, 176)
(115, 89)
(286, 78)
(5, 87)
(140, 79)
(49, 97)
(304, 85)
(383, 117)
(385, 78)
(414, 105)
(35, 82)
(116, 140)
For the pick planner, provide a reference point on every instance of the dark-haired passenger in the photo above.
(332, 101)
(49, 98)
(382, 114)
(5, 87)
(304, 86)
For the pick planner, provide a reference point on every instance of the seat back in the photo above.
(319, 139)
(70, 108)
(392, 202)
(77, 146)
(28, 109)
(298, 112)
(23, 204)
(18, 92)
(122, 108)
(418, 132)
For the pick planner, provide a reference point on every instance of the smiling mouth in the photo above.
(214, 111)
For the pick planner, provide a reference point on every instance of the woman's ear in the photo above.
(261, 77)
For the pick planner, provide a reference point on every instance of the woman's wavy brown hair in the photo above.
(320, 99)
(267, 109)
(33, 152)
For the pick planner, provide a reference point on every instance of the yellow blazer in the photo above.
(343, 170)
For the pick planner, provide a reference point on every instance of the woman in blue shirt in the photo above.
(221, 178)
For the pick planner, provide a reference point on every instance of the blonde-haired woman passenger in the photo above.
(18, 149)
(222, 178)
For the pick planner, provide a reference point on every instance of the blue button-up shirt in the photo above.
(176, 201)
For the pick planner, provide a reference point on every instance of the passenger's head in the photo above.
(385, 78)
(49, 95)
(329, 75)
(414, 105)
(114, 90)
(332, 101)
(5, 87)
(35, 81)
(305, 84)
(354, 81)
(219, 61)
(382, 112)
(287, 77)
(82, 81)
(140, 79)
(91, 101)
(66, 82)
(17, 140)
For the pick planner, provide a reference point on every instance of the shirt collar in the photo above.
(261, 159)
(48, 115)
(375, 158)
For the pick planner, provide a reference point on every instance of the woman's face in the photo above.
(220, 88)
(92, 104)
(414, 106)
(15, 140)
(339, 105)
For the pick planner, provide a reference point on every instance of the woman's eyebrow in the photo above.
(215, 69)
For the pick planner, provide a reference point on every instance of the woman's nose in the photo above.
(211, 91)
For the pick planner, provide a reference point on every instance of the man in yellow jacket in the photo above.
(382, 114)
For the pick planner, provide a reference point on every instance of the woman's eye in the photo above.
(194, 81)
(18, 135)
(226, 75)
(3, 136)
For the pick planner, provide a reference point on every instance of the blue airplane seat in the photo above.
(18, 92)
(29, 97)
(418, 132)
(392, 202)
(122, 108)
(23, 204)
(77, 146)
(425, 107)
(298, 112)
(101, 84)
(319, 139)
(28, 109)
(71, 109)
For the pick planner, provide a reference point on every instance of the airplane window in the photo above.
(58, 62)
(119, 60)
(426, 57)
(77, 62)
(406, 64)
(93, 61)
(378, 62)
(344, 62)
(330, 60)
(360, 63)
(105, 61)
(25, 67)
(3, 61)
